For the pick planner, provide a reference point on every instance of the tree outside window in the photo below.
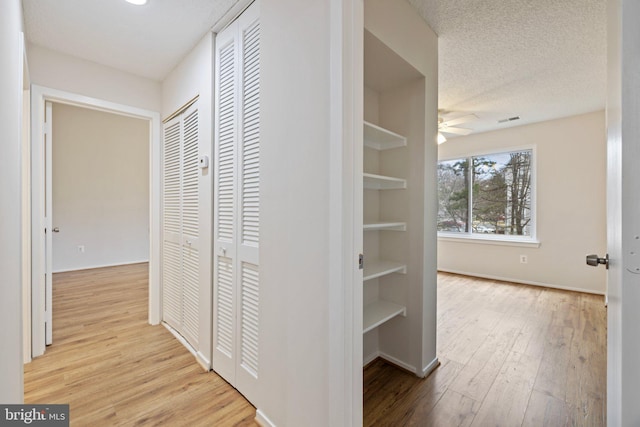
(489, 194)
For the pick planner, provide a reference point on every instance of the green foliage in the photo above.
(500, 189)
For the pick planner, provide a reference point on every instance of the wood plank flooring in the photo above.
(114, 369)
(511, 355)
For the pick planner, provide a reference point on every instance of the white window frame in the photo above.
(498, 239)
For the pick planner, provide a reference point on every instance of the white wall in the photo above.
(11, 73)
(100, 188)
(295, 212)
(570, 161)
(26, 221)
(56, 70)
(192, 77)
(304, 287)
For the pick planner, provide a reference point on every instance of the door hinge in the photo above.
(360, 262)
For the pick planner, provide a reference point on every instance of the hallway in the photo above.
(510, 355)
(114, 369)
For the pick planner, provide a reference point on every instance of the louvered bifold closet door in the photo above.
(172, 224)
(190, 225)
(237, 203)
(226, 131)
(181, 225)
(248, 291)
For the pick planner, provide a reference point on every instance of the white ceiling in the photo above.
(148, 41)
(537, 59)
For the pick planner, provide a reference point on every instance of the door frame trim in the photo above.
(39, 95)
(346, 151)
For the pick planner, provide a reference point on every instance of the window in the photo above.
(486, 195)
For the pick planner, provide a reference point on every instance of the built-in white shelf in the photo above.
(381, 182)
(382, 139)
(379, 268)
(378, 312)
(392, 226)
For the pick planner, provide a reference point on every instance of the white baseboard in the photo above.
(203, 361)
(91, 267)
(419, 372)
(400, 363)
(263, 420)
(430, 367)
(370, 358)
(524, 282)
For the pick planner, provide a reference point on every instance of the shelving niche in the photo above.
(377, 141)
(393, 182)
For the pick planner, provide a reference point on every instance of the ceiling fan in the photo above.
(450, 126)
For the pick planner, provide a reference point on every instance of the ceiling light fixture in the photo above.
(137, 2)
(441, 138)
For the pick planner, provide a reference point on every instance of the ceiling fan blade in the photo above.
(455, 131)
(459, 120)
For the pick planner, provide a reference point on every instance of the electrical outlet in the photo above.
(523, 259)
(81, 249)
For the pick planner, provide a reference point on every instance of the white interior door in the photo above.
(248, 234)
(49, 229)
(623, 213)
(225, 196)
(190, 242)
(237, 202)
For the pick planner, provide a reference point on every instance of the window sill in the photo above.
(490, 240)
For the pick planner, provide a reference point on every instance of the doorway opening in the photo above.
(100, 189)
(92, 205)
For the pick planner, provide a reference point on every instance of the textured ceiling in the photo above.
(148, 41)
(537, 59)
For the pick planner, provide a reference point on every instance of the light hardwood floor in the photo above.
(114, 369)
(511, 355)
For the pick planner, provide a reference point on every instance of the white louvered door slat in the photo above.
(172, 225)
(249, 319)
(190, 301)
(237, 203)
(250, 167)
(224, 305)
(225, 141)
(190, 225)
(181, 225)
(249, 204)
